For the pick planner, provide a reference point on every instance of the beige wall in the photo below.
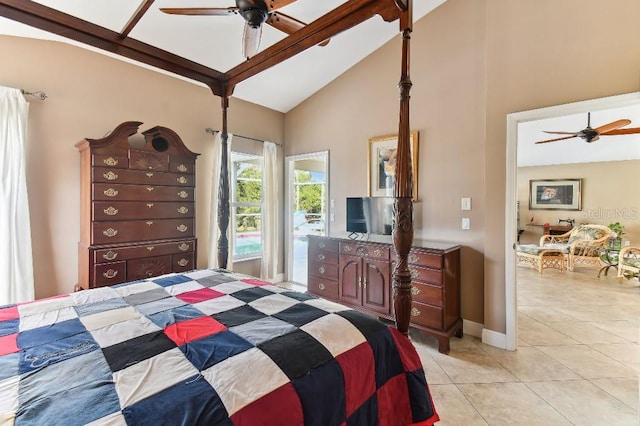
(606, 197)
(89, 95)
(473, 62)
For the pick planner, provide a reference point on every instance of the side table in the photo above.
(610, 258)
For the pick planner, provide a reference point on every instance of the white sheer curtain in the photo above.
(16, 261)
(214, 231)
(268, 268)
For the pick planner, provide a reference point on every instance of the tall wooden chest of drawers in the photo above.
(137, 206)
(359, 274)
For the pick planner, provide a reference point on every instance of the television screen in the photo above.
(370, 215)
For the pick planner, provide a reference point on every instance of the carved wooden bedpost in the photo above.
(223, 192)
(403, 191)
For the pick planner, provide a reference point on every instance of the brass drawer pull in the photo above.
(149, 174)
(149, 222)
(183, 194)
(321, 256)
(377, 253)
(110, 232)
(415, 312)
(362, 251)
(110, 175)
(348, 249)
(182, 228)
(321, 245)
(182, 168)
(111, 211)
(183, 262)
(183, 210)
(414, 273)
(413, 258)
(184, 247)
(415, 291)
(110, 255)
(111, 192)
(149, 273)
(321, 287)
(149, 205)
(322, 270)
(150, 248)
(182, 180)
(111, 273)
(150, 188)
(110, 161)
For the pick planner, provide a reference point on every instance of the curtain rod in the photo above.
(37, 94)
(213, 132)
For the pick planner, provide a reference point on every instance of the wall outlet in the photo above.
(465, 223)
(466, 203)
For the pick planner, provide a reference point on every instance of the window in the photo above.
(246, 205)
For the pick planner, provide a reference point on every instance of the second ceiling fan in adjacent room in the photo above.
(589, 134)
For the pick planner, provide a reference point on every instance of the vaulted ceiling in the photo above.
(208, 49)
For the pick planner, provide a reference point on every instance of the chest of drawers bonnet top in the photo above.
(137, 206)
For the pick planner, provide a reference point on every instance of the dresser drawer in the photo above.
(146, 160)
(114, 161)
(430, 260)
(323, 270)
(109, 274)
(368, 250)
(182, 165)
(141, 269)
(141, 177)
(432, 276)
(138, 230)
(138, 210)
(426, 315)
(132, 252)
(324, 257)
(116, 192)
(182, 262)
(425, 293)
(322, 287)
(323, 244)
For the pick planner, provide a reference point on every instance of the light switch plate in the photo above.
(465, 223)
(466, 203)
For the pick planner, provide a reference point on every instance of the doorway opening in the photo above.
(307, 196)
(512, 225)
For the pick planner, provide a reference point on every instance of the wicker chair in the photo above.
(629, 262)
(584, 244)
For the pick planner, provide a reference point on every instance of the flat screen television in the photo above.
(370, 215)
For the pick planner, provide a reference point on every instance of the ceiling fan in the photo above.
(255, 13)
(591, 135)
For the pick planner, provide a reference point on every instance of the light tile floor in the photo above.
(577, 363)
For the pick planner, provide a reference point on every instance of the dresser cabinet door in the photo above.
(350, 279)
(377, 288)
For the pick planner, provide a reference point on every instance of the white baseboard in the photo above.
(493, 338)
(278, 278)
(472, 328)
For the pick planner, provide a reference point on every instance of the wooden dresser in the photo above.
(358, 274)
(137, 206)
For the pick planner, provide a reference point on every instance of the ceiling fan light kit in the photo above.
(589, 135)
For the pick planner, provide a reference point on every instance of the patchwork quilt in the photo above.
(209, 347)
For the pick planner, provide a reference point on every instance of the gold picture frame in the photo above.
(380, 166)
(555, 194)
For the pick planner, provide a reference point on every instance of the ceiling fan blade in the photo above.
(561, 133)
(200, 11)
(557, 139)
(628, 131)
(251, 40)
(277, 4)
(612, 126)
(285, 23)
(288, 24)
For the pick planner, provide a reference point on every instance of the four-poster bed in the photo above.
(407, 401)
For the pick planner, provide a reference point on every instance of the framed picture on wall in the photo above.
(382, 164)
(555, 194)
